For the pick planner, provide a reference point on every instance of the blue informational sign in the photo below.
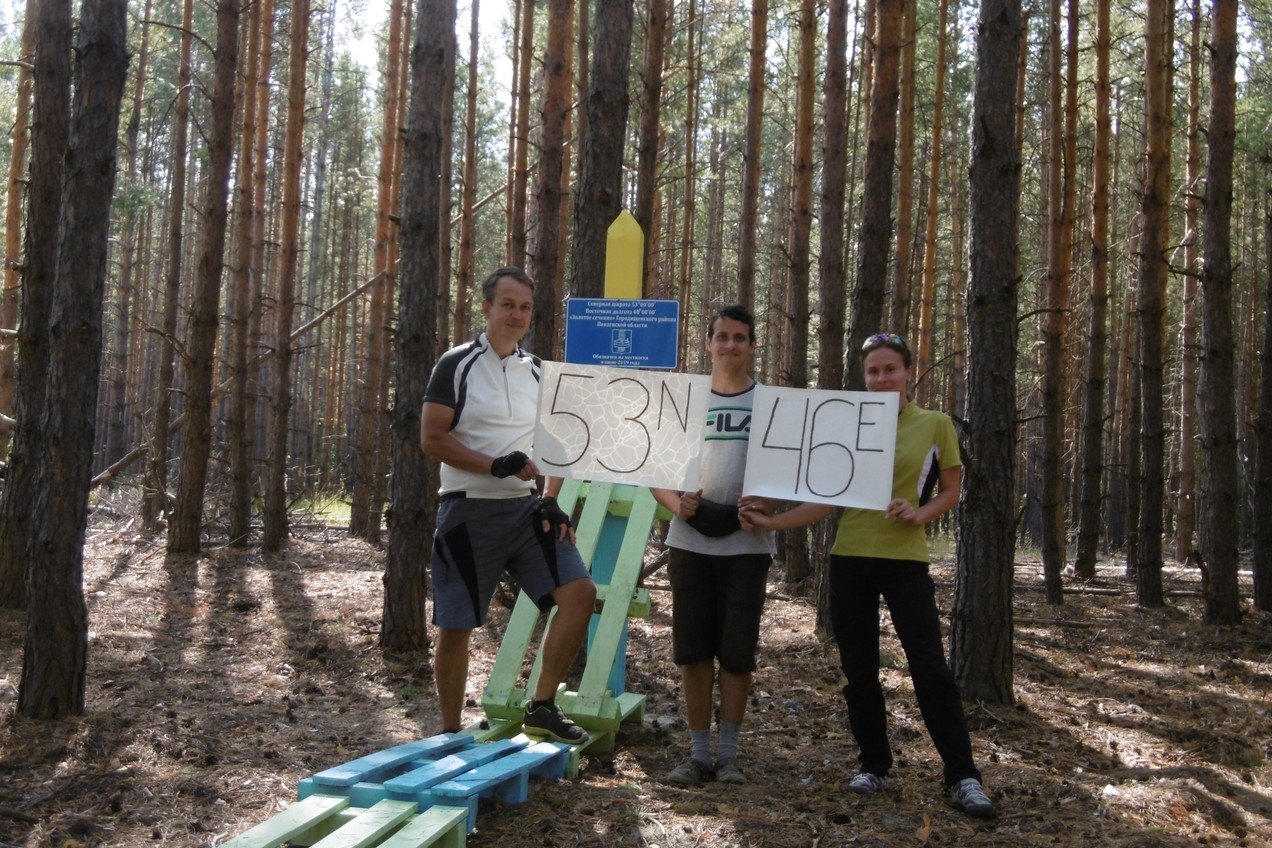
(622, 333)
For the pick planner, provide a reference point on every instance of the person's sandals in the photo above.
(866, 783)
(969, 796)
(548, 722)
(691, 772)
(728, 771)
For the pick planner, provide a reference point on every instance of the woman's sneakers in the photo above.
(866, 783)
(969, 796)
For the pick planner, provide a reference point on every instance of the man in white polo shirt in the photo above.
(478, 419)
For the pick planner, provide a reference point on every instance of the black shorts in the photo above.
(716, 606)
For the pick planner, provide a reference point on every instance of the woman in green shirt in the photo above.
(883, 554)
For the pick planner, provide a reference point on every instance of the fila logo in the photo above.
(728, 422)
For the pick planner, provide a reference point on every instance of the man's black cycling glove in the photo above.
(549, 511)
(509, 464)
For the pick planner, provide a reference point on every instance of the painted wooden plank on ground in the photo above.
(506, 779)
(442, 827)
(291, 822)
(370, 825)
(376, 767)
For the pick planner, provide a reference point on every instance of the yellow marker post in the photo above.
(624, 258)
(624, 264)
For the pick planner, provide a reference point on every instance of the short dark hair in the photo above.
(735, 312)
(493, 278)
(892, 342)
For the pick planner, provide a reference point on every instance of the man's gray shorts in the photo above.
(477, 540)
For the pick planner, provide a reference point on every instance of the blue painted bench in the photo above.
(415, 795)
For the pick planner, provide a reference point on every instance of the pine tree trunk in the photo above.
(155, 502)
(903, 247)
(650, 128)
(798, 569)
(831, 266)
(1263, 442)
(422, 230)
(1186, 506)
(1218, 526)
(545, 263)
(747, 221)
(275, 523)
(599, 197)
(54, 661)
(1089, 518)
(689, 220)
(1060, 262)
(927, 295)
(1152, 303)
(465, 273)
(981, 619)
(238, 429)
(51, 72)
(115, 412)
(875, 235)
(187, 519)
(13, 581)
(368, 442)
(15, 193)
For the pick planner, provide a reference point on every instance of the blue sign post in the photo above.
(622, 333)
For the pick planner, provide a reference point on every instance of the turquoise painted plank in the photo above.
(506, 779)
(370, 825)
(374, 767)
(596, 683)
(405, 786)
(290, 823)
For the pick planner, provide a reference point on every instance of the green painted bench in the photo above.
(613, 531)
(326, 821)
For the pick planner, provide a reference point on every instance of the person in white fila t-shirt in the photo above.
(478, 419)
(718, 570)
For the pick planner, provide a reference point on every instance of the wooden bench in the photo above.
(613, 531)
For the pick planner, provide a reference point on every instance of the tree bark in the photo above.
(981, 620)
(423, 227)
(924, 337)
(1059, 261)
(1093, 400)
(15, 193)
(689, 219)
(238, 420)
(115, 408)
(599, 197)
(155, 501)
(798, 568)
(650, 130)
(747, 222)
(1155, 213)
(903, 244)
(545, 262)
(376, 346)
(465, 274)
(1263, 440)
(187, 519)
(875, 235)
(1220, 506)
(831, 265)
(1186, 503)
(50, 127)
(275, 523)
(520, 151)
(54, 661)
